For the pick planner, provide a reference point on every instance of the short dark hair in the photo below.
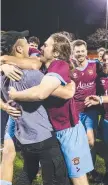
(9, 38)
(101, 49)
(105, 53)
(34, 39)
(62, 46)
(79, 43)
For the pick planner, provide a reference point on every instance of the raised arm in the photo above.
(23, 63)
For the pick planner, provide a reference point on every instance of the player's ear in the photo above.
(56, 54)
(19, 49)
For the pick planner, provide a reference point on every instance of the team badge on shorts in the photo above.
(76, 161)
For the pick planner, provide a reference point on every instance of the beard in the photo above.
(43, 59)
(81, 59)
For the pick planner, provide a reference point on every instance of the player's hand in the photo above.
(11, 72)
(12, 93)
(92, 100)
(12, 111)
(3, 59)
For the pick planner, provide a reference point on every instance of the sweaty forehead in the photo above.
(81, 47)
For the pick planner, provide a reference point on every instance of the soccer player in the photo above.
(102, 90)
(71, 134)
(85, 78)
(100, 53)
(33, 42)
(33, 46)
(33, 129)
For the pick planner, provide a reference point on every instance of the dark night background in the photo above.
(43, 17)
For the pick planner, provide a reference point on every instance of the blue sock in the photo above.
(3, 182)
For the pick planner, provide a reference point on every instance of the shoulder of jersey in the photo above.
(92, 61)
(60, 62)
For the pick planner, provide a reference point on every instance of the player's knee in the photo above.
(8, 156)
(80, 180)
(9, 153)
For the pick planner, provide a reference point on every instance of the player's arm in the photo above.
(65, 92)
(11, 72)
(23, 63)
(36, 93)
(95, 100)
(105, 99)
(12, 111)
(2, 105)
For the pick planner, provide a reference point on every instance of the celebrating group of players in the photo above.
(51, 98)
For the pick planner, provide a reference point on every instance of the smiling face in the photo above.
(80, 53)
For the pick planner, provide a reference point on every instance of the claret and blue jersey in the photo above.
(85, 79)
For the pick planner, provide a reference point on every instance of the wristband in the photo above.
(101, 100)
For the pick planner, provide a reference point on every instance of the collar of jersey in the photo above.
(82, 68)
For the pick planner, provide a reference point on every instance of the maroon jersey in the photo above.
(34, 52)
(85, 80)
(62, 113)
(102, 89)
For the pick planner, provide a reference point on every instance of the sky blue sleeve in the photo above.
(63, 82)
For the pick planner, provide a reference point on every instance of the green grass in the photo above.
(100, 164)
